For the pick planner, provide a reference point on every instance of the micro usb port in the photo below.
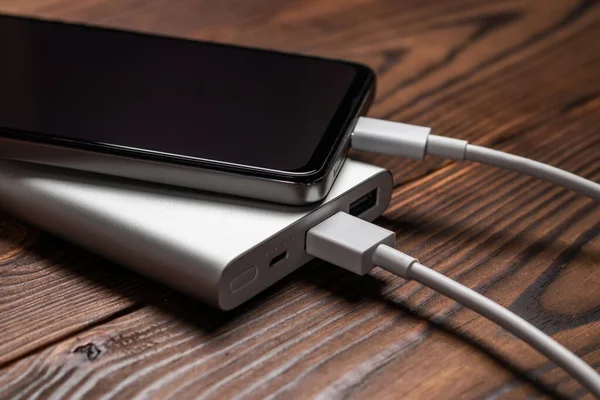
(278, 258)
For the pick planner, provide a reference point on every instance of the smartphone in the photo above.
(235, 120)
(220, 249)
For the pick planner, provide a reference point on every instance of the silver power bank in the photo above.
(220, 249)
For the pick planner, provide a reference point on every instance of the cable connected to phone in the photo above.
(415, 142)
(359, 246)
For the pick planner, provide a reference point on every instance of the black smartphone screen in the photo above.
(187, 101)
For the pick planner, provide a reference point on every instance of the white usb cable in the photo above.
(359, 246)
(415, 142)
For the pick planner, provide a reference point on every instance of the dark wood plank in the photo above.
(49, 290)
(521, 76)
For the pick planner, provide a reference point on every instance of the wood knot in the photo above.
(90, 351)
(87, 347)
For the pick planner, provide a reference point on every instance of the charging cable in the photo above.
(415, 142)
(359, 246)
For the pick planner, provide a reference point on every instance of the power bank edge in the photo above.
(146, 228)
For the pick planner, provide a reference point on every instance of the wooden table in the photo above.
(520, 76)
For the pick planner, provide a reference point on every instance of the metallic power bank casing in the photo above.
(210, 246)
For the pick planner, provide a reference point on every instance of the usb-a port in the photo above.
(363, 204)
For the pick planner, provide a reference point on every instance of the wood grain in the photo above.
(521, 76)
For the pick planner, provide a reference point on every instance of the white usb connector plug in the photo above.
(348, 242)
(411, 141)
